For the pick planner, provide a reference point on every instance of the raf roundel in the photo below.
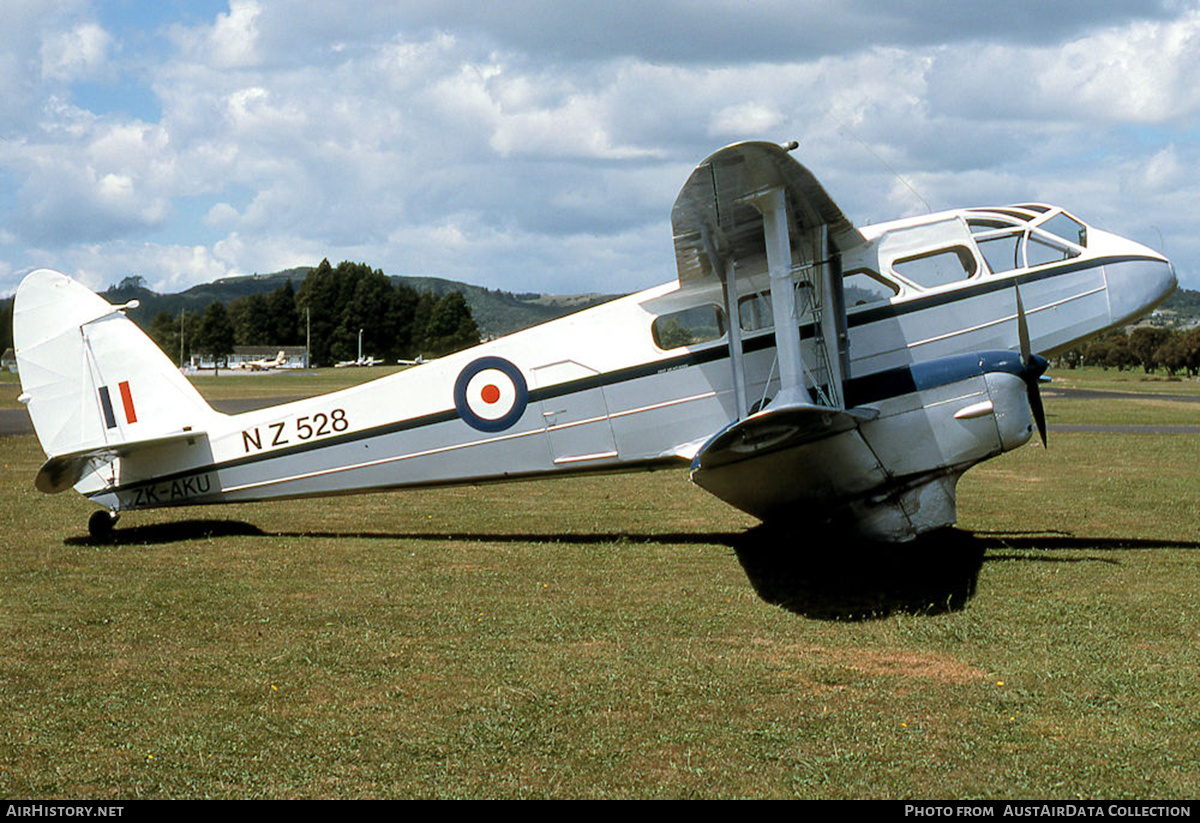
(490, 394)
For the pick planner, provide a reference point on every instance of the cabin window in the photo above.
(937, 268)
(863, 286)
(859, 288)
(1067, 227)
(689, 327)
(755, 312)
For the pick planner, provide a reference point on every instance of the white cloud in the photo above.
(540, 145)
(273, 253)
(221, 215)
(576, 129)
(1144, 72)
(232, 42)
(1147, 73)
(744, 118)
(1164, 171)
(78, 54)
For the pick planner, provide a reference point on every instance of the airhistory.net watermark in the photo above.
(61, 810)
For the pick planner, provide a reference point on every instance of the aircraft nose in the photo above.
(1137, 285)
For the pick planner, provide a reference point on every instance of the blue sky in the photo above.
(538, 146)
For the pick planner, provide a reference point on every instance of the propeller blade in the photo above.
(1033, 367)
(1022, 327)
(1033, 373)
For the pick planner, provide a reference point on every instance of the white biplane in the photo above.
(802, 367)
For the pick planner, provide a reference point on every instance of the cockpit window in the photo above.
(1019, 212)
(1009, 245)
(980, 225)
(863, 286)
(1067, 227)
(937, 268)
(1042, 249)
(689, 327)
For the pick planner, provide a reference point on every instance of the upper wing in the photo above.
(713, 218)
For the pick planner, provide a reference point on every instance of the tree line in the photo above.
(330, 308)
(1150, 348)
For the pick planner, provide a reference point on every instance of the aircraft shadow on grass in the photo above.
(827, 576)
(817, 574)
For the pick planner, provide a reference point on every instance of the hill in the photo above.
(1181, 309)
(496, 312)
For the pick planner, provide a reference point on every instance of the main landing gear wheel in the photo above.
(100, 524)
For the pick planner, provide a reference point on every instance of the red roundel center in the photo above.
(490, 393)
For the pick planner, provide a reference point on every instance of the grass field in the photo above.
(612, 637)
(1132, 380)
(237, 385)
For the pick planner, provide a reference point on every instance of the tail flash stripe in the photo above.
(127, 400)
(110, 419)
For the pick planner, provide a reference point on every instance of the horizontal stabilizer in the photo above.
(63, 471)
(775, 429)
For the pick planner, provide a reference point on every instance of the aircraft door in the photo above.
(577, 425)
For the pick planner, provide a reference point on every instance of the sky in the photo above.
(539, 146)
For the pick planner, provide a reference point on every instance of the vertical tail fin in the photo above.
(90, 377)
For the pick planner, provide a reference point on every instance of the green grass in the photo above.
(1131, 380)
(285, 383)
(10, 389)
(1155, 405)
(612, 637)
(1148, 411)
(230, 385)
(604, 637)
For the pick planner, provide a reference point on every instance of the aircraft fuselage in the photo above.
(645, 380)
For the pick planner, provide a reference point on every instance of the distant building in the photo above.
(255, 358)
(8, 362)
(293, 356)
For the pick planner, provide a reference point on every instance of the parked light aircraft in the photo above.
(362, 361)
(803, 367)
(263, 364)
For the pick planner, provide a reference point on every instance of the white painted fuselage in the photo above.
(802, 366)
(597, 392)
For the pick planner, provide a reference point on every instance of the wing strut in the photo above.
(735, 339)
(728, 273)
(820, 283)
(749, 201)
(792, 385)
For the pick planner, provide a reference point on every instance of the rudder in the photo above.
(89, 376)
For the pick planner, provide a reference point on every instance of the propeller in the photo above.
(1032, 368)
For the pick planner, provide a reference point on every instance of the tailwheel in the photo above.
(100, 524)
